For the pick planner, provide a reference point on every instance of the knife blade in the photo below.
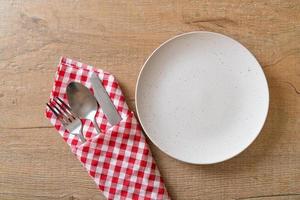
(104, 100)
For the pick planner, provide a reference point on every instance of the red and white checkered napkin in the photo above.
(119, 159)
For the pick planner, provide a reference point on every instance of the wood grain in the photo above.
(118, 36)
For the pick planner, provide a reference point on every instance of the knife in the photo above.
(104, 101)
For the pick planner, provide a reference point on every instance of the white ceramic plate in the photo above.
(202, 97)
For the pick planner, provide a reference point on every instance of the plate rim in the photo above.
(159, 147)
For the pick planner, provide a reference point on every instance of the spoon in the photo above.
(82, 102)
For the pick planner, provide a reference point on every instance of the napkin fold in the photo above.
(118, 159)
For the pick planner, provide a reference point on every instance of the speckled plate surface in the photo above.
(202, 97)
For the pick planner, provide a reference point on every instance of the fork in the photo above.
(69, 120)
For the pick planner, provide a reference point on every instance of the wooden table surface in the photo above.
(36, 164)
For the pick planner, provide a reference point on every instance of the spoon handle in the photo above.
(96, 126)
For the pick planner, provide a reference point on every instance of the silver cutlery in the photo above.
(104, 101)
(82, 102)
(68, 118)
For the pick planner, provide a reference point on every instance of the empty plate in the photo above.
(202, 97)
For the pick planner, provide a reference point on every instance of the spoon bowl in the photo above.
(82, 102)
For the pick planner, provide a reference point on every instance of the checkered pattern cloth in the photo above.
(119, 159)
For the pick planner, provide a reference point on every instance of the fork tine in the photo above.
(66, 106)
(57, 108)
(67, 112)
(63, 114)
(62, 106)
(63, 103)
(64, 109)
(55, 113)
